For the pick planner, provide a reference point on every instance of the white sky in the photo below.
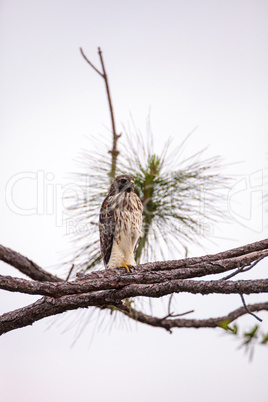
(192, 63)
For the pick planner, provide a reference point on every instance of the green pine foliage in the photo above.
(249, 339)
(182, 197)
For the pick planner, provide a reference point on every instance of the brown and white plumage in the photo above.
(120, 223)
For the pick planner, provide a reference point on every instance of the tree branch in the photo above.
(189, 323)
(48, 306)
(111, 287)
(118, 278)
(232, 253)
(115, 136)
(114, 151)
(157, 289)
(26, 266)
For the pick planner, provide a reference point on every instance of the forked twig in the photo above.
(244, 269)
(89, 62)
(114, 151)
(172, 315)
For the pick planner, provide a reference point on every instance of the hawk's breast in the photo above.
(128, 215)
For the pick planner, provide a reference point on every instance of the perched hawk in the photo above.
(120, 223)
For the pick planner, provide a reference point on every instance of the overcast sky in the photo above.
(193, 65)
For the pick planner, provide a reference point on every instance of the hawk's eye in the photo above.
(123, 181)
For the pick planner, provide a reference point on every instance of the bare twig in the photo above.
(109, 96)
(244, 269)
(169, 304)
(182, 314)
(172, 315)
(69, 273)
(247, 309)
(114, 151)
(89, 62)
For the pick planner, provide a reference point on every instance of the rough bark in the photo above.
(169, 323)
(108, 288)
(26, 266)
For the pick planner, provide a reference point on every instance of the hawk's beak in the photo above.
(132, 184)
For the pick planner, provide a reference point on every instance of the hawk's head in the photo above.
(122, 183)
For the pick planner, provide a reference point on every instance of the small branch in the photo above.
(182, 314)
(238, 271)
(114, 151)
(247, 309)
(172, 315)
(169, 304)
(244, 269)
(115, 136)
(89, 62)
(70, 272)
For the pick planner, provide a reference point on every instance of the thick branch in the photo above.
(235, 252)
(26, 266)
(111, 287)
(117, 279)
(167, 323)
(48, 306)
(195, 287)
(45, 307)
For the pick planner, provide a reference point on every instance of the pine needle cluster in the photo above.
(182, 197)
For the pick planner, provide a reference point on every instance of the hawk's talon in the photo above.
(127, 266)
(130, 268)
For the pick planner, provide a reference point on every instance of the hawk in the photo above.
(120, 223)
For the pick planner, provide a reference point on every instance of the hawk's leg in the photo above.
(127, 266)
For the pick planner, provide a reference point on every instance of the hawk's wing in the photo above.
(106, 227)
